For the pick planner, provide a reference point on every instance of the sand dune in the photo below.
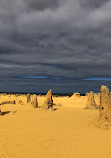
(67, 132)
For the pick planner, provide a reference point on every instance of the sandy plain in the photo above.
(67, 132)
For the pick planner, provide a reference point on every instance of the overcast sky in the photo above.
(58, 44)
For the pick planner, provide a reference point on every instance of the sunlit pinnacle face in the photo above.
(60, 44)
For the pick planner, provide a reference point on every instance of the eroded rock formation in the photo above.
(91, 101)
(34, 101)
(76, 95)
(28, 98)
(105, 104)
(48, 103)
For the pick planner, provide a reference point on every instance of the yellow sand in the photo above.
(67, 132)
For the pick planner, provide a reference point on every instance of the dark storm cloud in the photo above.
(41, 5)
(93, 4)
(68, 39)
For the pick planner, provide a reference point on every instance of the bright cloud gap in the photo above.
(42, 77)
(97, 79)
(35, 77)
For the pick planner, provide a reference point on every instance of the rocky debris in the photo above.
(57, 104)
(48, 103)
(12, 112)
(20, 102)
(8, 102)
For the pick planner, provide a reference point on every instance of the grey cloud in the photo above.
(93, 4)
(42, 5)
(68, 39)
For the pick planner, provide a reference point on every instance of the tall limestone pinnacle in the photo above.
(28, 98)
(91, 101)
(48, 103)
(105, 104)
(34, 101)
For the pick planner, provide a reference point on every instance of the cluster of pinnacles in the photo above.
(105, 104)
(48, 103)
(32, 101)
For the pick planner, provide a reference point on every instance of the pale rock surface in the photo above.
(105, 104)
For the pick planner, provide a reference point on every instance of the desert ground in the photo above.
(67, 132)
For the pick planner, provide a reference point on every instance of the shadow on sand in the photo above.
(7, 112)
(55, 109)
